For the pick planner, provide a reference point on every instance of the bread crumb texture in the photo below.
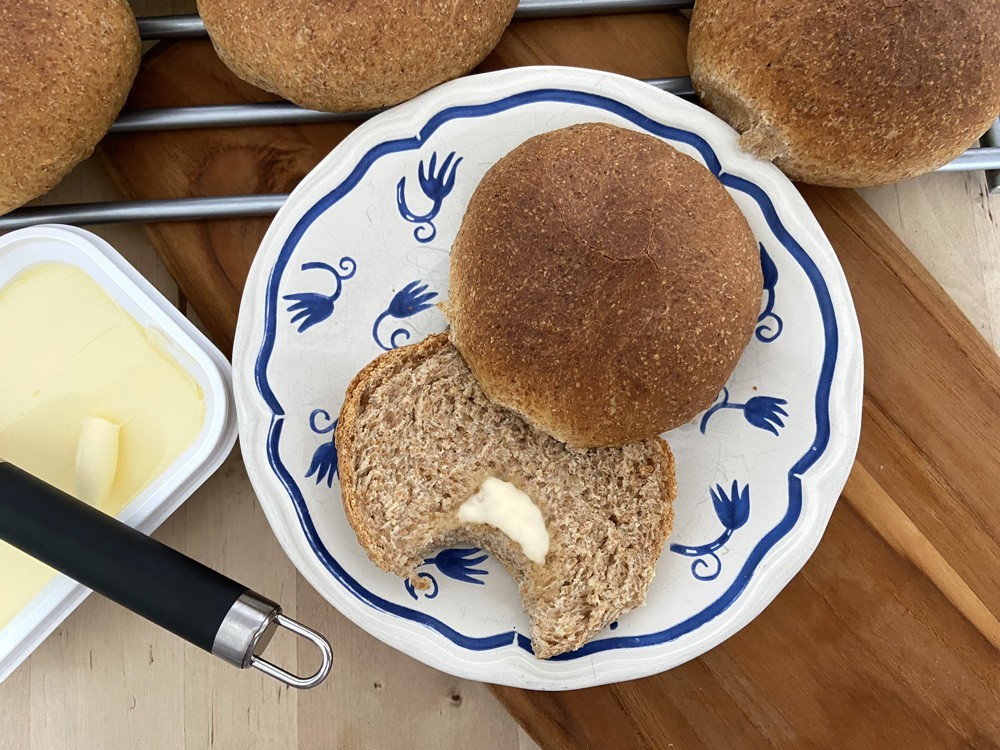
(353, 54)
(417, 436)
(850, 93)
(603, 284)
(65, 70)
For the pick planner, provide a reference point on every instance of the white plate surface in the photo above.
(354, 263)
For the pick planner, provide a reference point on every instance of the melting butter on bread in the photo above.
(417, 438)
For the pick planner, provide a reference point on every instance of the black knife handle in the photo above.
(105, 555)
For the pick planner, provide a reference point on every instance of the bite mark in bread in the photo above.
(417, 437)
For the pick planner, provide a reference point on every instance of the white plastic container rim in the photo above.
(24, 248)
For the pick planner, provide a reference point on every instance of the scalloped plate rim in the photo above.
(827, 476)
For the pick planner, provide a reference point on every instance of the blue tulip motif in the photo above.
(458, 564)
(324, 461)
(310, 308)
(769, 325)
(407, 302)
(763, 412)
(733, 511)
(436, 184)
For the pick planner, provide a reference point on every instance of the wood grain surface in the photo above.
(889, 636)
(890, 633)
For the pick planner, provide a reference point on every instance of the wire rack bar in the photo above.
(992, 140)
(985, 158)
(188, 26)
(121, 212)
(227, 115)
(236, 206)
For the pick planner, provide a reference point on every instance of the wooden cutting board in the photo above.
(890, 634)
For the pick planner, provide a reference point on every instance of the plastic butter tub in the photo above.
(26, 249)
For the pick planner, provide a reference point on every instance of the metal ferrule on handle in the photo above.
(247, 630)
(156, 582)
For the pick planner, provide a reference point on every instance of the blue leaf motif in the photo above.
(407, 302)
(769, 270)
(733, 511)
(410, 300)
(324, 461)
(723, 506)
(457, 564)
(311, 308)
(769, 325)
(741, 506)
(324, 464)
(763, 412)
(436, 184)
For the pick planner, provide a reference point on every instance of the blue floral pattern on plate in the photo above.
(411, 300)
(769, 325)
(436, 184)
(763, 412)
(458, 564)
(309, 308)
(733, 511)
(324, 461)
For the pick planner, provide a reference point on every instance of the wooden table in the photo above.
(106, 679)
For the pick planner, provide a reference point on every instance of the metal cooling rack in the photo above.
(985, 158)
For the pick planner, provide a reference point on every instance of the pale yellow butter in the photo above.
(75, 367)
(503, 506)
(97, 451)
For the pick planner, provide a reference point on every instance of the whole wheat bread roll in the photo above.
(417, 437)
(65, 69)
(338, 56)
(850, 92)
(603, 285)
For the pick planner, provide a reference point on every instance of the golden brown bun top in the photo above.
(65, 69)
(850, 92)
(353, 54)
(603, 285)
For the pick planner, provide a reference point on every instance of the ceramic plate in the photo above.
(354, 265)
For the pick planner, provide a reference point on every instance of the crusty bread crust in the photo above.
(400, 427)
(65, 70)
(603, 285)
(354, 401)
(355, 55)
(850, 93)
